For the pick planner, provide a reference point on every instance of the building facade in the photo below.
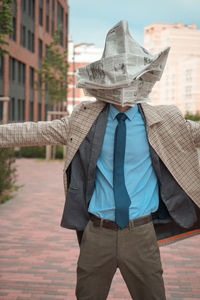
(34, 22)
(79, 55)
(179, 84)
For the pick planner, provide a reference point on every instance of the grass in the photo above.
(9, 194)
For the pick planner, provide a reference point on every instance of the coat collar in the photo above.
(151, 115)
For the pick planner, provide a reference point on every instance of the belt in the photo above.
(112, 225)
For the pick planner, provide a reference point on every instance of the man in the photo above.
(127, 163)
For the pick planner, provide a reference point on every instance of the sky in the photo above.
(90, 20)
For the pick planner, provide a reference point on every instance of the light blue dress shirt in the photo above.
(140, 178)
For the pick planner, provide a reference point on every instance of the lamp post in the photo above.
(74, 68)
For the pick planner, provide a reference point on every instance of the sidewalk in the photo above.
(38, 257)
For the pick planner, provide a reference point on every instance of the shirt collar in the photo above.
(130, 113)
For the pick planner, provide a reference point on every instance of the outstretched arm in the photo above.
(35, 133)
(194, 128)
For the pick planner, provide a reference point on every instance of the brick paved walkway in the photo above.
(38, 257)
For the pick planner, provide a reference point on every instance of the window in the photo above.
(14, 10)
(1, 65)
(10, 68)
(46, 50)
(31, 77)
(46, 109)
(13, 35)
(31, 111)
(29, 8)
(60, 21)
(24, 5)
(19, 72)
(47, 15)
(41, 12)
(39, 111)
(32, 42)
(188, 90)
(188, 74)
(33, 9)
(23, 36)
(23, 74)
(13, 69)
(1, 110)
(66, 30)
(52, 16)
(40, 52)
(20, 110)
(29, 40)
(12, 109)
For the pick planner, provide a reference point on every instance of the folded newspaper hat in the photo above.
(126, 72)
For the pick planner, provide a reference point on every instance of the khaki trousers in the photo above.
(133, 250)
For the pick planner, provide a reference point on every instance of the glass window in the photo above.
(40, 52)
(47, 15)
(52, 16)
(24, 5)
(1, 110)
(66, 30)
(30, 7)
(19, 72)
(1, 65)
(31, 111)
(13, 69)
(10, 68)
(31, 77)
(39, 111)
(12, 109)
(32, 42)
(33, 9)
(41, 12)
(24, 36)
(60, 21)
(23, 73)
(29, 40)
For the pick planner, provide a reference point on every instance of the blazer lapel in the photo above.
(80, 124)
(169, 137)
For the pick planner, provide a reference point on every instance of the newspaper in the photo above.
(126, 73)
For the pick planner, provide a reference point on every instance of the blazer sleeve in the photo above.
(194, 128)
(35, 133)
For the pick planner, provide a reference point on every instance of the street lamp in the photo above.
(74, 67)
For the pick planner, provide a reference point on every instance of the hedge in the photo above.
(8, 171)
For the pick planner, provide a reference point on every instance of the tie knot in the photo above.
(121, 117)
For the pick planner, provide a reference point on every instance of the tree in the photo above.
(5, 23)
(52, 80)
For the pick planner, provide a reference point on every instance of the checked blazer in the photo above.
(172, 137)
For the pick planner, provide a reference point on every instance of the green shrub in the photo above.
(7, 170)
(193, 117)
(59, 152)
(32, 152)
(38, 152)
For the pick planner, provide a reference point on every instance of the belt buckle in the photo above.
(131, 224)
(101, 222)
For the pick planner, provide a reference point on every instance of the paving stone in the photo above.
(38, 257)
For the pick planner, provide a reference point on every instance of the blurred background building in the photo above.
(179, 84)
(34, 22)
(79, 55)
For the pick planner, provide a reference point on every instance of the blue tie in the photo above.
(122, 199)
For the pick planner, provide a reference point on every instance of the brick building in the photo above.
(34, 22)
